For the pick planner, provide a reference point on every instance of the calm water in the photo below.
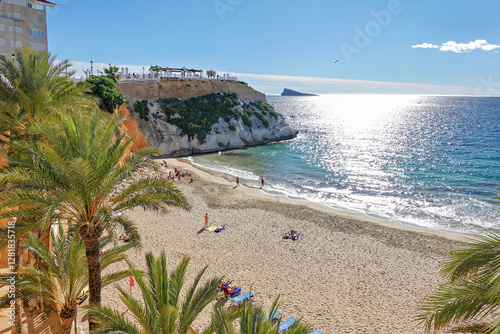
(431, 161)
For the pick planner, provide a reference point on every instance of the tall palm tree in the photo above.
(33, 87)
(161, 310)
(469, 302)
(252, 320)
(63, 278)
(80, 172)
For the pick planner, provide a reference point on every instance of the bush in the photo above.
(266, 108)
(105, 89)
(232, 128)
(195, 117)
(246, 120)
(141, 108)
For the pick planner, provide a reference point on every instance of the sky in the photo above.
(318, 46)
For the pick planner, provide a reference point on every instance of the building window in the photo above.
(11, 44)
(2, 27)
(31, 5)
(11, 29)
(19, 44)
(37, 46)
(37, 33)
(17, 16)
(2, 42)
(18, 30)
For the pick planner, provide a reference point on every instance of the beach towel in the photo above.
(211, 228)
(222, 229)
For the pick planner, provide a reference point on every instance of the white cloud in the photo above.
(451, 46)
(425, 46)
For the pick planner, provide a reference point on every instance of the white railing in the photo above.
(174, 76)
(138, 78)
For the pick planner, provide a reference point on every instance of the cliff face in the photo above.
(248, 126)
(185, 89)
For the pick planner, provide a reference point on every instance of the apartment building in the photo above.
(23, 23)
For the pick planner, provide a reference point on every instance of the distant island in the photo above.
(289, 92)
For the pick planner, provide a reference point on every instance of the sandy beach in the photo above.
(347, 273)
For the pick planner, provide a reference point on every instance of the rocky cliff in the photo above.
(208, 123)
(186, 89)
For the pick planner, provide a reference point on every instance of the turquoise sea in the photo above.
(431, 161)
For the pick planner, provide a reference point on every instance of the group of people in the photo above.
(292, 235)
(218, 229)
(177, 174)
(238, 182)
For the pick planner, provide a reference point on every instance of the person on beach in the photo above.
(237, 181)
(206, 221)
(262, 181)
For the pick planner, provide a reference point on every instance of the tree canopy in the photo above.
(104, 88)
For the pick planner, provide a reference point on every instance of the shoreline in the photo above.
(344, 275)
(262, 193)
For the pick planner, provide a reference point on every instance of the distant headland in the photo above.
(289, 92)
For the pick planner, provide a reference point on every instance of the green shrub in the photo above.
(232, 128)
(246, 120)
(105, 89)
(195, 117)
(141, 108)
(265, 107)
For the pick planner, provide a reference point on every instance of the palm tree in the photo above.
(252, 320)
(469, 302)
(63, 278)
(35, 88)
(32, 88)
(161, 309)
(80, 172)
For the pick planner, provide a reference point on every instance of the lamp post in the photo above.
(91, 68)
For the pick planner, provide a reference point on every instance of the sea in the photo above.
(428, 161)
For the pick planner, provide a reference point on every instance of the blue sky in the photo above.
(428, 46)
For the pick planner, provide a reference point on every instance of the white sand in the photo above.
(346, 274)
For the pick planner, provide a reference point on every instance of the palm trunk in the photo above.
(67, 320)
(91, 239)
(18, 324)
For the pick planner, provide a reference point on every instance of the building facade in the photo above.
(23, 23)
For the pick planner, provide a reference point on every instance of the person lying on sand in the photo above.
(228, 291)
(225, 283)
(292, 235)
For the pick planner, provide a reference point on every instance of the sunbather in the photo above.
(294, 235)
(231, 290)
(225, 283)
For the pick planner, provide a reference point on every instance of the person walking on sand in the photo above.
(237, 181)
(206, 221)
(262, 181)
